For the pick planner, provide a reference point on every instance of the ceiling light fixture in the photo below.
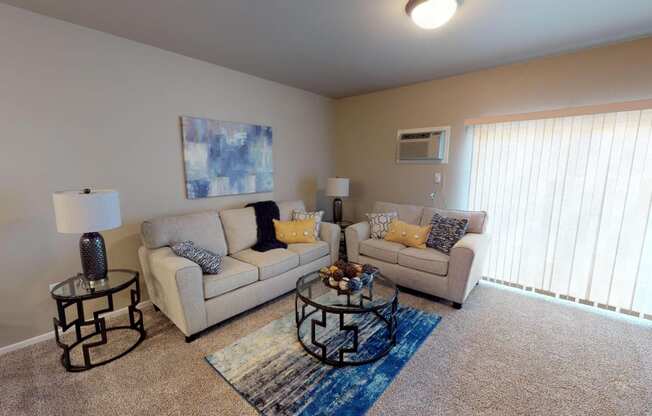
(430, 14)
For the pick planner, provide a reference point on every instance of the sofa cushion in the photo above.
(381, 250)
(239, 228)
(309, 252)
(285, 209)
(203, 228)
(425, 259)
(234, 275)
(477, 219)
(270, 263)
(408, 213)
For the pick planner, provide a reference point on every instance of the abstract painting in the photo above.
(226, 158)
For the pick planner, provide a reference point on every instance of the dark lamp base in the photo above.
(337, 210)
(93, 256)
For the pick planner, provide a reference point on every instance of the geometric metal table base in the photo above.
(320, 313)
(98, 323)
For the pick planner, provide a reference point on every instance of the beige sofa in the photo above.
(194, 301)
(451, 277)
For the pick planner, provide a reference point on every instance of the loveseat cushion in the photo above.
(425, 259)
(203, 228)
(309, 252)
(477, 219)
(240, 228)
(285, 209)
(234, 275)
(270, 263)
(381, 250)
(408, 213)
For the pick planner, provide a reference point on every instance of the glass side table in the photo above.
(76, 290)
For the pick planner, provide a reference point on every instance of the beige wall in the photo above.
(80, 107)
(366, 125)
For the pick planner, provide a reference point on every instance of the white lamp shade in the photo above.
(337, 187)
(78, 212)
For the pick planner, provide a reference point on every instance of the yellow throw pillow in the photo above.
(408, 234)
(291, 232)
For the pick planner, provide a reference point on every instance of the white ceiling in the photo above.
(344, 47)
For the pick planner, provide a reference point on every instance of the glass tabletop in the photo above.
(77, 287)
(380, 293)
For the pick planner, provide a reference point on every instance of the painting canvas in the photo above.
(226, 158)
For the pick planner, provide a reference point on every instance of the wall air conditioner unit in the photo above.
(425, 145)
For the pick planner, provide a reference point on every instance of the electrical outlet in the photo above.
(437, 178)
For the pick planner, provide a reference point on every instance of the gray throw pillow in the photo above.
(209, 262)
(298, 214)
(379, 223)
(445, 232)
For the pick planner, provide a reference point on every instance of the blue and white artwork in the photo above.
(226, 158)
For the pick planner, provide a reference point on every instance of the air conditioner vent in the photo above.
(425, 145)
(412, 136)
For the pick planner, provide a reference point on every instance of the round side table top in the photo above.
(79, 287)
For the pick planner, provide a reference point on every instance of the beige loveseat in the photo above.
(427, 270)
(195, 301)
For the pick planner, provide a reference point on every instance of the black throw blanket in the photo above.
(266, 211)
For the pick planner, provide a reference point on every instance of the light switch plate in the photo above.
(437, 178)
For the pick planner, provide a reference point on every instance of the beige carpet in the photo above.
(505, 353)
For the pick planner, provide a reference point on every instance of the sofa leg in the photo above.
(457, 305)
(192, 337)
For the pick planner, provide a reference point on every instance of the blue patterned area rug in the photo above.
(271, 370)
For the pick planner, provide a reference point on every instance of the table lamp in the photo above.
(86, 212)
(337, 187)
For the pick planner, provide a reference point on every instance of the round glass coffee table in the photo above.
(340, 328)
(77, 290)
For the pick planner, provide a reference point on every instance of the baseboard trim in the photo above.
(50, 335)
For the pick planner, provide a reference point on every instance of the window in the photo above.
(569, 202)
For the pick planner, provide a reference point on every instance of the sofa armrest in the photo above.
(178, 288)
(331, 234)
(466, 265)
(354, 235)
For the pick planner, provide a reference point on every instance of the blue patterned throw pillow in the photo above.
(209, 262)
(445, 232)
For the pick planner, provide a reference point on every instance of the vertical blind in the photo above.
(569, 202)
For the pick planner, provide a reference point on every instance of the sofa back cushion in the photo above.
(285, 209)
(239, 228)
(202, 228)
(407, 213)
(477, 219)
